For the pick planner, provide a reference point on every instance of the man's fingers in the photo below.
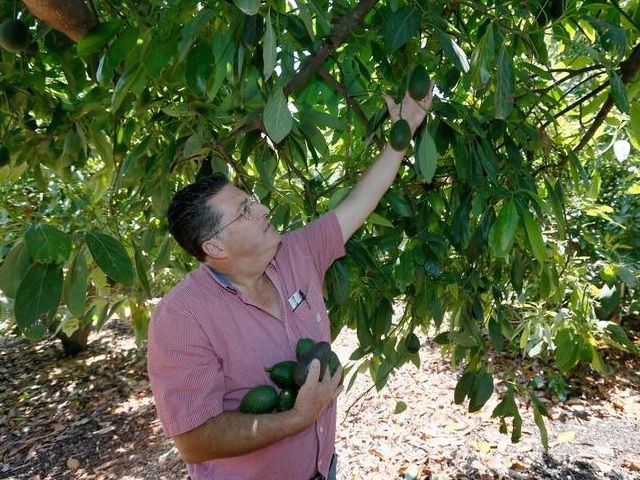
(314, 371)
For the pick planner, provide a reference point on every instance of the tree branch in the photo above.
(346, 26)
(71, 17)
(628, 70)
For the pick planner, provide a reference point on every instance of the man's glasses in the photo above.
(245, 213)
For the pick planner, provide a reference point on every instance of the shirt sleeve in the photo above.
(322, 241)
(186, 374)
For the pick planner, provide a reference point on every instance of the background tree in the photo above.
(513, 225)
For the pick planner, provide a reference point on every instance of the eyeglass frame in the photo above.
(245, 213)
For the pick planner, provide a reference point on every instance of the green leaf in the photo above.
(199, 68)
(110, 256)
(400, 407)
(503, 231)
(567, 349)
(400, 27)
(190, 30)
(75, 284)
(508, 408)
(277, 118)
(618, 92)
(141, 270)
(15, 266)
(248, 7)
(503, 97)
(157, 55)
(47, 244)
(482, 58)
(463, 387)
(481, 390)
(39, 293)
(97, 37)
(427, 156)
(634, 120)
(452, 51)
(536, 242)
(399, 203)
(132, 81)
(539, 410)
(269, 48)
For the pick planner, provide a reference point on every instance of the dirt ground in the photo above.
(92, 417)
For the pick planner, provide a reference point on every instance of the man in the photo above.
(255, 294)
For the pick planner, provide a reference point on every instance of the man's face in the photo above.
(244, 229)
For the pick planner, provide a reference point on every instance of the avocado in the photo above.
(334, 362)
(286, 399)
(400, 135)
(303, 346)
(321, 351)
(412, 342)
(260, 399)
(419, 83)
(281, 373)
(14, 35)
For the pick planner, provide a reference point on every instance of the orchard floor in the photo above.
(92, 417)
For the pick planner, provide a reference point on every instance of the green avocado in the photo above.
(281, 373)
(260, 399)
(321, 351)
(419, 83)
(400, 135)
(286, 400)
(14, 35)
(303, 346)
(334, 362)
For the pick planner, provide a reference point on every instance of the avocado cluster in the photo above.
(418, 87)
(289, 376)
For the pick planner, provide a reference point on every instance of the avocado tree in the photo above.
(512, 225)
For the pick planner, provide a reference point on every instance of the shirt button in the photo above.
(321, 430)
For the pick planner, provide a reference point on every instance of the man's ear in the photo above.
(214, 249)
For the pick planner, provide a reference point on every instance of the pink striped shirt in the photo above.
(208, 345)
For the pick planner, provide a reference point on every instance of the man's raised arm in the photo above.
(376, 180)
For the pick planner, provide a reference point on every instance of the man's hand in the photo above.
(413, 111)
(315, 395)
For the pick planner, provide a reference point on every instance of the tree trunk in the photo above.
(71, 17)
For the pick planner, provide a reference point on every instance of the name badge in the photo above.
(296, 299)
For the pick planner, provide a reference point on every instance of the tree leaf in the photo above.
(110, 256)
(400, 407)
(452, 51)
(277, 118)
(47, 244)
(39, 292)
(131, 81)
(481, 390)
(15, 266)
(248, 7)
(75, 284)
(503, 97)
(503, 231)
(618, 92)
(269, 50)
(534, 235)
(427, 156)
(97, 37)
(400, 27)
(199, 68)
(141, 270)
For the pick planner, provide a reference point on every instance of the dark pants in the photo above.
(332, 470)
